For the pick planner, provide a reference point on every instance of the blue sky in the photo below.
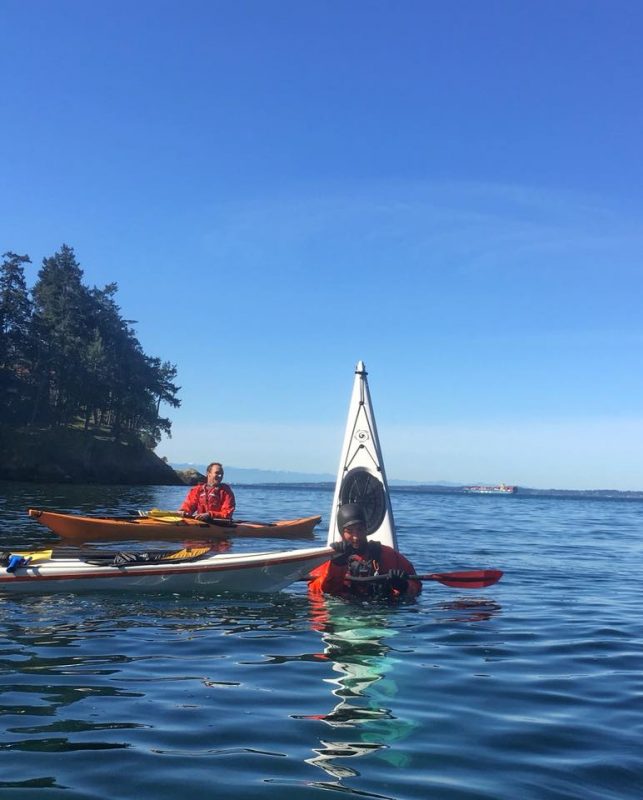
(452, 193)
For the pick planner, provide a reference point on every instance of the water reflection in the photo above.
(357, 640)
(477, 609)
(74, 671)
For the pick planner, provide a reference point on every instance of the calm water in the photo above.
(532, 688)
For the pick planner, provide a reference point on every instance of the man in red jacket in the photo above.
(211, 500)
(356, 557)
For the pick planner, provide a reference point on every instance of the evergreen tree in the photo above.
(15, 336)
(162, 386)
(70, 358)
(132, 384)
(61, 317)
(102, 353)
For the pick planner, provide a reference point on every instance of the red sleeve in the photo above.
(189, 505)
(228, 503)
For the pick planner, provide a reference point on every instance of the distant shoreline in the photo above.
(248, 476)
(606, 494)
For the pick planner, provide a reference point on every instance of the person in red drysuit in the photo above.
(357, 557)
(211, 500)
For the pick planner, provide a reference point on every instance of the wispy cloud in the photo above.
(467, 228)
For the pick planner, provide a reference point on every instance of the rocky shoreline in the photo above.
(76, 456)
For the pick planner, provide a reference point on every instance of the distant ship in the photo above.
(500, 489)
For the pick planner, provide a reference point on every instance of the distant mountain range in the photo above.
(242, 475)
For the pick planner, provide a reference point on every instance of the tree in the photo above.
(15, 336)
(133, 385)
(162, 386)
(61, 317)
(74, 355)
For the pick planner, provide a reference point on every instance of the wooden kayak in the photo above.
(189, 570)
(77, 528)
(361, 477)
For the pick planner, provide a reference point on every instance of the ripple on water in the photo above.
(529, 689)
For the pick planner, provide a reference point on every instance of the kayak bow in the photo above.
(361, 477)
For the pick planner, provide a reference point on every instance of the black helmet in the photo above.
(350, 514)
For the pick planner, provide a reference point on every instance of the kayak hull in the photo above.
(216, 574)
(77, 528)
(361, 477)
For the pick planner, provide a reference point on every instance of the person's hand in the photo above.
(341, 548)
(203, 517)
(398, 579)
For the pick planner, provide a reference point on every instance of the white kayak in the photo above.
(44, 572)
(361, 477)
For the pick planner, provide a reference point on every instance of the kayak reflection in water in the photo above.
(356, 646)
(361, 569)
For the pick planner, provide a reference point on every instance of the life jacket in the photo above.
(363, 566)
(210, 499)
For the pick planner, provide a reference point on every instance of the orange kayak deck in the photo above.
(77, 528)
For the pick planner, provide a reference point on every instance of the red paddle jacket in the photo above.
(217, 501)
(331, 576)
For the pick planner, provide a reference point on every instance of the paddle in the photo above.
(174, 516)
(100, 556)
(468, 579)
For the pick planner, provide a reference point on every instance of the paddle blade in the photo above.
(471, 579)
(34, 555)
(159, 512)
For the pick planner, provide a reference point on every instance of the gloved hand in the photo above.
(398, 579)
(17, 561)
(341, 549)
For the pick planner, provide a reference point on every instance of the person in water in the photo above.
(210, 500)
(356, 557)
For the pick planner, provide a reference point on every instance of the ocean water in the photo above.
(532, 688)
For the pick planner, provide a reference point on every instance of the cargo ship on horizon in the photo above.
(501, 488)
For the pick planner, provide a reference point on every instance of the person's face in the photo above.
(355, 535)
(215, 474)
